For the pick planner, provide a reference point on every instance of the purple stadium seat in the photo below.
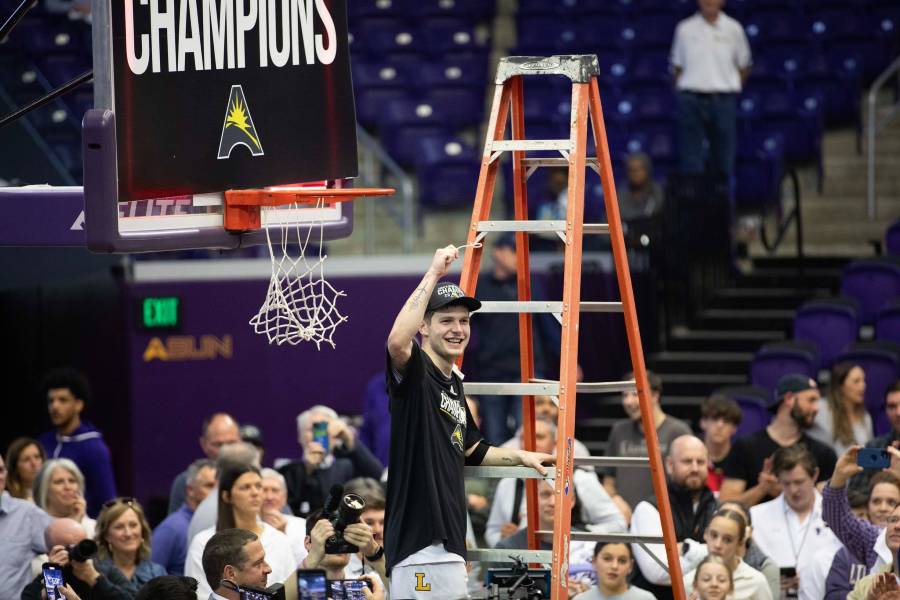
(461, 107)
(472, 10)
(760, 166)
(881, 367)
(831, 325)
(887, 324)
(403, 123)
(443, 40)
(361, 9)
(754, 402)
(892, 239)
(443, 74)
(770, 363)
(541, 35)
(655, 30)
(873, 283)
(447, 170)
(370, 103)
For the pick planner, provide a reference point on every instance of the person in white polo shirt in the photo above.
(710, 60)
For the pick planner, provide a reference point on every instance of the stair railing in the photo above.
(874, 126)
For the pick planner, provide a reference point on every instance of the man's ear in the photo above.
(815, 475)
(79, 403)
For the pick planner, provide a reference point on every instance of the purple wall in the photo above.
(261, 384)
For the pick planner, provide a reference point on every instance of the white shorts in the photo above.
(440, 581)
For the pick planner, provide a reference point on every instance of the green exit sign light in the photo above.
(161, 312)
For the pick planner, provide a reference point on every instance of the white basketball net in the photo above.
(300, 305)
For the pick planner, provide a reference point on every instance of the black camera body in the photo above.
(82, 551)
(341, 510)
(518, 582)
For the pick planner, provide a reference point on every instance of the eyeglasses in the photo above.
(129, 500)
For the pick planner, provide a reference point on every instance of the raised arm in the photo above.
(857, 534)
(408, 321)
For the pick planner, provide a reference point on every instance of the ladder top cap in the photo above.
(577, 67)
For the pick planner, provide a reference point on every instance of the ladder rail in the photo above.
(632, 331)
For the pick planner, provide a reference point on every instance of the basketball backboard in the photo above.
(202, 96)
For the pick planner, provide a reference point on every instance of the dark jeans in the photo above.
(500, 417)
(711, 117)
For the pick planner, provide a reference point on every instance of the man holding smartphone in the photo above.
(433, 435)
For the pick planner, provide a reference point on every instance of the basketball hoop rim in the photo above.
(267, 197)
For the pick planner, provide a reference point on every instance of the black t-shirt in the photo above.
(749, 452)
(431, 427)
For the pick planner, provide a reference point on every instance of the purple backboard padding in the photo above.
(41, 216)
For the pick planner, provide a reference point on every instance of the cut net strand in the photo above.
(300, 305)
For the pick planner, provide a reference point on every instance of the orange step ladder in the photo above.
(508, 103)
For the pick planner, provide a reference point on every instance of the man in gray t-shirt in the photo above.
(627, 439)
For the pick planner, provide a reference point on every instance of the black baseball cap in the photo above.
(447, 293)
(792, 383)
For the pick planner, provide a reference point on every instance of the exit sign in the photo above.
(160, 312)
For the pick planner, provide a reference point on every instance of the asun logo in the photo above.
(238, 128)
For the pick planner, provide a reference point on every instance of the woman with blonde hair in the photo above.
(725, 537)
(59, 490)
(123, 540)
(842, 420)
(24, 459)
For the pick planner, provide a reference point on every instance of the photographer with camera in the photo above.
(73, 552)
(327, 534)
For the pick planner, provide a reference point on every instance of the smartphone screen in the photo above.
(347, 589)
(320, 433)
(252, 595)
(311, 584)
(53, 579)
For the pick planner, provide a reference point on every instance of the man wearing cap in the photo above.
(432, 436)
(748, 474)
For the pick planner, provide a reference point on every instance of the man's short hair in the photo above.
(67, 378)
(225, 548)
(654, 380)
(894, 387)
(268, 473)
(786, 459)
(370, 490)
(169, 587)
(304, 417)
(195, 468)
(208, 421)
(720, 406)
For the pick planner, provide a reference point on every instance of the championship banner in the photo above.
(212, 95)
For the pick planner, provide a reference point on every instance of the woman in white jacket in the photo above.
(724, 536)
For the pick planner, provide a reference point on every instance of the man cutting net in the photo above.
(432, 437)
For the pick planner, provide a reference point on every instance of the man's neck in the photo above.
(658, 416)
(443, 365)
(804, 512)
(71, 426)
(784, 430)
(717, 451)
(333, 574)
(710, 18)
(224, 592)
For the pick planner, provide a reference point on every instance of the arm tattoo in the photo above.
(416, 299)
(508, 459)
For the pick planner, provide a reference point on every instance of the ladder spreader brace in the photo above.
(508, 103)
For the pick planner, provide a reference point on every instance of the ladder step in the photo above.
(550, 388)
(505, 473)
(596, 228)
(612, 461)
(546, 388)
(526, 145)
(555, 161)
(512, 306)
(620, 538)
(577, 67)
(503, 555)
(527, 226)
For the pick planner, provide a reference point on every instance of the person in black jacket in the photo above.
(310, 479)
(693, 506)
(84, 579)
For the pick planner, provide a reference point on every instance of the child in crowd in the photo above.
(712, 579)
(614, 564)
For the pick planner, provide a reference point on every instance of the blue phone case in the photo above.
(873, 458)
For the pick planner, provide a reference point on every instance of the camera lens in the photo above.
(82, 551)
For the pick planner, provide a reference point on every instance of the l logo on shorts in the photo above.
(421, 586)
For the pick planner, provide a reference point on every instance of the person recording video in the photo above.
(65, 539)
